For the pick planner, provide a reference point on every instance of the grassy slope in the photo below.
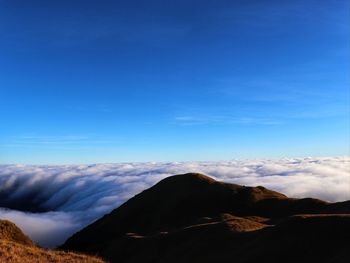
(15, 247)
(12, 252)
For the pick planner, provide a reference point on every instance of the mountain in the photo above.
(16, 247)
(193, 218)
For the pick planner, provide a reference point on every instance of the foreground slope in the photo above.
(193, 218)
(15, 247)
(10, 232)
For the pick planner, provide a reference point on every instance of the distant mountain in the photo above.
(193, 218)
(16, 247)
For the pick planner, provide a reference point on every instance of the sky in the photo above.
(134, 81)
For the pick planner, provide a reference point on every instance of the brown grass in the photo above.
(9, 231)
(12, 252)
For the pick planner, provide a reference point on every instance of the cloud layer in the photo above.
(56, 201)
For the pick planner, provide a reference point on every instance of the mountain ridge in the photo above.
(194, 205)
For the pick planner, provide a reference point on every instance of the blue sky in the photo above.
(119, 81)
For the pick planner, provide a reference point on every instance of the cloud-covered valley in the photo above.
(50, 203)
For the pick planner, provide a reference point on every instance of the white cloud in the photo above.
(76, 195)
(47, 229)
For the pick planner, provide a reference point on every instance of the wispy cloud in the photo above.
(57, 140)
(50, 139)
(223, 120)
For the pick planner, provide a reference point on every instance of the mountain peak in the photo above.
(184, 181)
(188, 177)
(188, 206)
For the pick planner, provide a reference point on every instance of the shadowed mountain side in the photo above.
(195, 206)
(298, 239)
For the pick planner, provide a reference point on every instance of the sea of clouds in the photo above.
(71, 196)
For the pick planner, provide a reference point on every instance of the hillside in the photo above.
(193, 218)
(10, 232)
(15, 247)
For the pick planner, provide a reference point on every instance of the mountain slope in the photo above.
(10, 232)
(186, 213)
(15, 247)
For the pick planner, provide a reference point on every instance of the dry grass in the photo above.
(12, 252)
(9, 231)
